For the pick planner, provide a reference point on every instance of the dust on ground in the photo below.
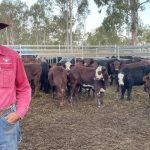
(118, 125)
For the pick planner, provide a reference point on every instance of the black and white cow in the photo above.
(132, 75)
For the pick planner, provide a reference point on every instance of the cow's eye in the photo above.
(99, 72)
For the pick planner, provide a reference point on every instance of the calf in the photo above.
(45, 86)
(33, 71)
(57, 77)
(132, 74)
(97, 78)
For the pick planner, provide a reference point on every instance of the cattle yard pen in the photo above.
(83, 51)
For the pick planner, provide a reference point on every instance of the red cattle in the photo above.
(97, 78)
(33, 71)
(57, 77)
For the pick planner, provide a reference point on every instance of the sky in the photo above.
(95, 18)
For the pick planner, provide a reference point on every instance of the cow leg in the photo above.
(68, 88)
(62, 91)
(37, 85)
(54, 89)
(89, 92)
(100, 99)
(111, 79)
(93, 91)
(32, 87)
(123, 89)
(129, 90)
(80, 89)
(117, 90)
(74, 90)
(116, 82)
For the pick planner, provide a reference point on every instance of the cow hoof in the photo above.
(100, 106)
(61, 104)
(121, 98)
(128, 99)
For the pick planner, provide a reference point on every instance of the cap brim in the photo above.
(3, 25)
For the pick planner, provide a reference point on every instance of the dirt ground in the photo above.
(118, 125)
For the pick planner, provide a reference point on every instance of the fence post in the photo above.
(59, 49)
(118, 52)
(20, 52)
(82, 51)
(96, 53)
(115, 50)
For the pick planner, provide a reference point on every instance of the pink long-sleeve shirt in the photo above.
(14, 85)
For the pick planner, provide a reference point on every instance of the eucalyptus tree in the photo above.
(71, 14)
(14, 13)
(103, 37)
(121, 13)
(40, 15)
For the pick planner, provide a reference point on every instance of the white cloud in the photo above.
(95, 18)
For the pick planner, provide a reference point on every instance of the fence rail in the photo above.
(83, 51)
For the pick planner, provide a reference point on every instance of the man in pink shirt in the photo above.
(15, 96)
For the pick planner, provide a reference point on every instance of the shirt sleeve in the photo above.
(23, 89)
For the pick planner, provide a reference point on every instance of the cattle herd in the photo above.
(74, 77)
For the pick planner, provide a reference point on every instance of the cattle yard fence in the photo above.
(83, 51)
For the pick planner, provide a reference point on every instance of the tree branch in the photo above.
(143, 3)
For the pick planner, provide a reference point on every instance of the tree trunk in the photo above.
(134, 20)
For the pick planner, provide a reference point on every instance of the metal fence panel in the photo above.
(83, 51)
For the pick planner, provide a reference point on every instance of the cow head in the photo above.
(68, 66)
(88, 62)
(121, 78)
(101, 73)
(117, 64)
(98, 73)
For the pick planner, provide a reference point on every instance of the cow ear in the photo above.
(92, 60)
(50, 66)
(103, 68)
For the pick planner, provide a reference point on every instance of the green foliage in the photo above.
(39, 24)
(15, 14)
(102, 37)
(45, 22)
(122, 13)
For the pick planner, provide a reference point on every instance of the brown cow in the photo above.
(57, 77)
(33, 71)
(97, 78)
(146, 79)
